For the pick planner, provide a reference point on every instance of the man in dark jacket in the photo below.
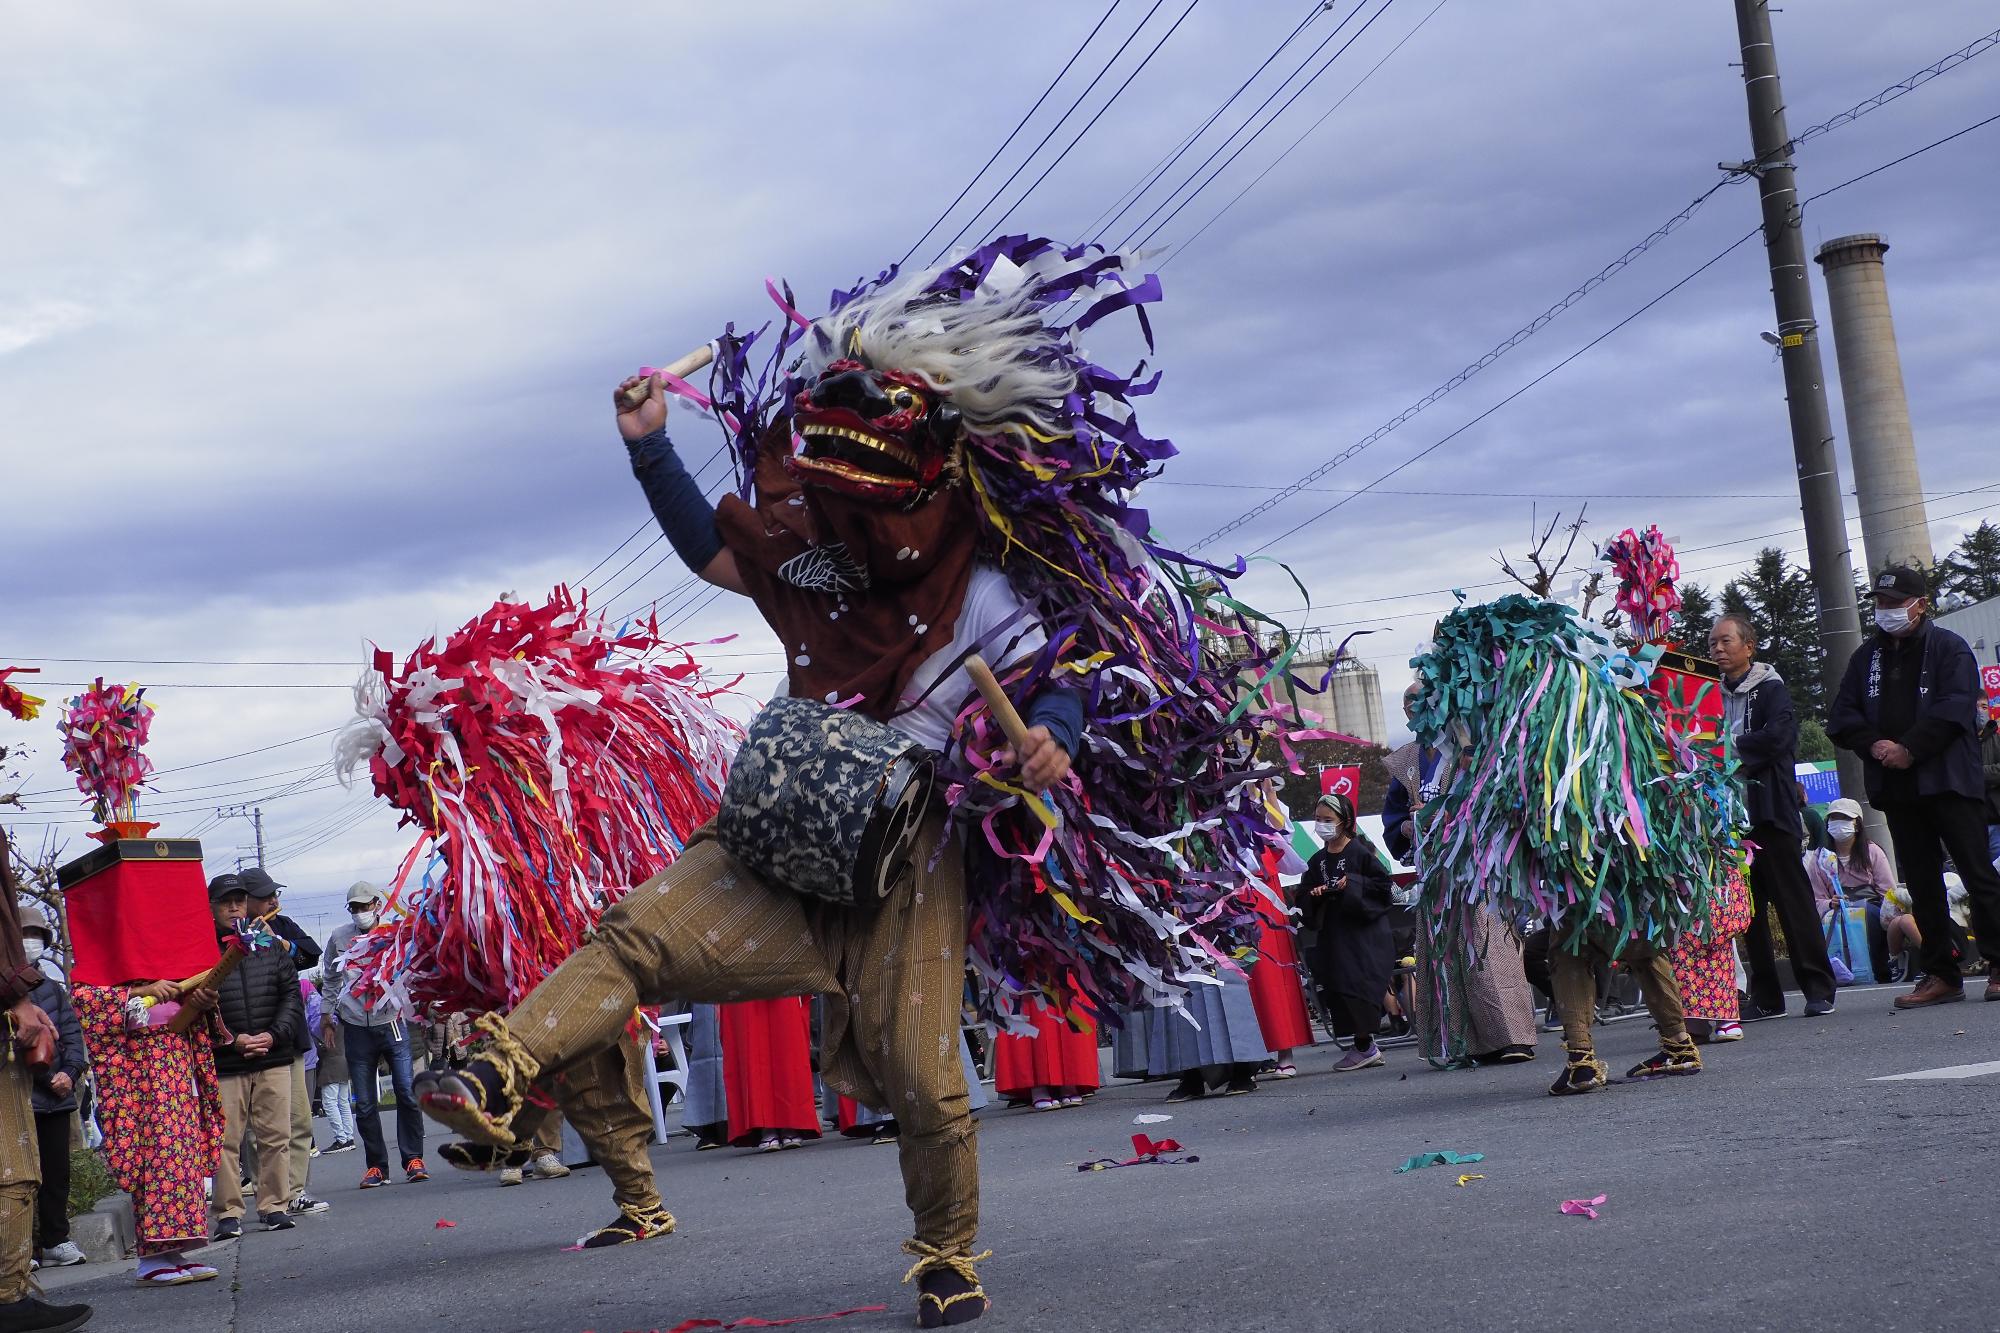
(266, 910)
(32, 1043)
(54, 1100)
(1764, 731)
(266, 1022)
(1909, 706)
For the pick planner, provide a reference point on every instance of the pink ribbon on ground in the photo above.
(1582, 1207)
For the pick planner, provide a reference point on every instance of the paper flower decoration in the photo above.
(102, 730)
(1646, 570)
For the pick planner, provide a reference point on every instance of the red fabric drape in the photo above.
(767, 1068)
(1274, 977)
(1055, 1057)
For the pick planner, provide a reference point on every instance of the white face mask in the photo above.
(35, 949)
(365, 919)
(1892, 619)
(1840, 830)
(1326, 828)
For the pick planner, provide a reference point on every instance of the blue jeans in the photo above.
(366, 1049)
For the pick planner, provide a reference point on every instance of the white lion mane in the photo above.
(992, 356)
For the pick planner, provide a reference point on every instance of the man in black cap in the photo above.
(265, 909)
(262, 1010)
(1909, 706)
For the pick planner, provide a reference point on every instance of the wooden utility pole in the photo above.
(1798, 349)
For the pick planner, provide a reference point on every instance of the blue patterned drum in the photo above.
(825, 802)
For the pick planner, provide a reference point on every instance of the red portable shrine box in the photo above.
(1691, 689)
(138, 911)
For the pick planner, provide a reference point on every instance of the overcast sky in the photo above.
(312, 311)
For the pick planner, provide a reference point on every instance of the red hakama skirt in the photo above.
(1274, 979)
(767, 1069)
(1055, 1057)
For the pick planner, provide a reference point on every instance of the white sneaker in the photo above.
(510, 1175)
(63, 1255)
(547, 1166)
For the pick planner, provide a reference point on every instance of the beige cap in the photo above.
(1846, 805)
(361, 893)
(32, 918)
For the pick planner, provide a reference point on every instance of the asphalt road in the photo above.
(1779, 1189)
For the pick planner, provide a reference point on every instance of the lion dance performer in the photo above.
(1577, 806)
(552, 763)
(930, 470)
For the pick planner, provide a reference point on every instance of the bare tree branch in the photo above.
(1543, 581)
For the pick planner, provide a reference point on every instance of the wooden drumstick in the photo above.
(185, 1019)
(997, 700)
(680, 370)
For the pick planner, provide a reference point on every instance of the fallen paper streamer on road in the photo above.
(1582, 1207)
(1445, 1158)
(1148, 1152)
(1463, 1181)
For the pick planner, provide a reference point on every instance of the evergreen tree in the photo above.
(1971, 573)
(1778, 597)
(1694, 620)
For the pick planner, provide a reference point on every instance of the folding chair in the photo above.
(675, 1079)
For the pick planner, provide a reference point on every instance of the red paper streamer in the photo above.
(553, 763)
(21, 707)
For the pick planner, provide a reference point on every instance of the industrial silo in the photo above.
(1356, 691)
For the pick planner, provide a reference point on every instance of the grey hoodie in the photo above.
(1736, 696)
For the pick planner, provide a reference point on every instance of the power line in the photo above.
(1111, 101)
(1855, 517)
(178, 661)
(216, 685)
(339, 829)
(1506, 345)
(1449, 436)
(1269, 98)
(1703, 268)
(585, 580)
(1147, 181)
(188, 806)
(1053, 129)
(1501, 495)
(1013, 133)
(1324, 116)
(1971, 50)
(1542, 320)
(1897, 162)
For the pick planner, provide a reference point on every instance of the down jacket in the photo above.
(262, 995)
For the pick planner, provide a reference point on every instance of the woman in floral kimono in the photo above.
(161, 1112)
(1705, 966)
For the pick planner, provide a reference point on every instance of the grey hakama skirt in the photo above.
(1228, 1032)
(706, 1103)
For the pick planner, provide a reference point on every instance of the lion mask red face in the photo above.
(877, 435)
